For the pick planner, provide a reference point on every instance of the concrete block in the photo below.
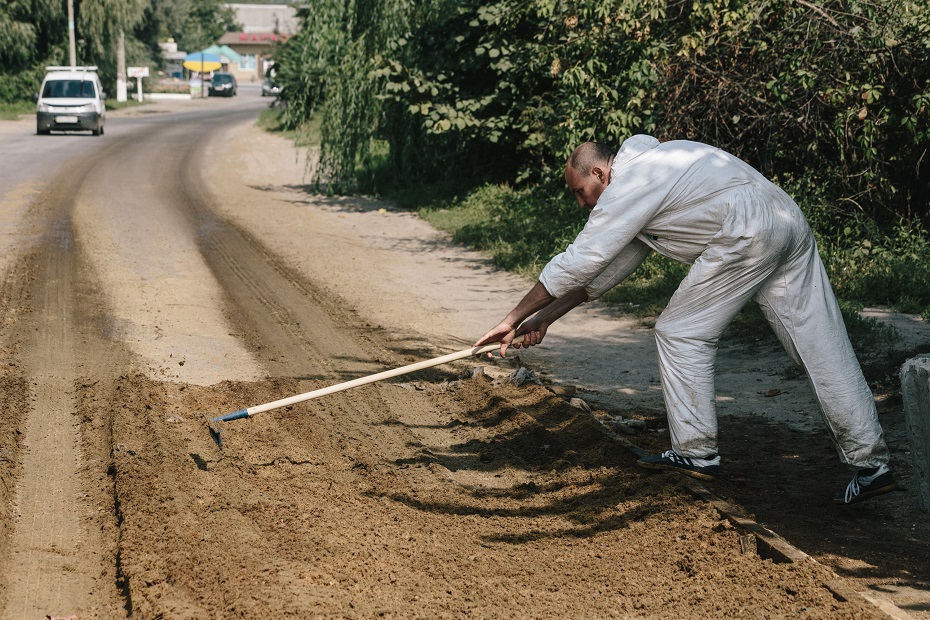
(915, 390)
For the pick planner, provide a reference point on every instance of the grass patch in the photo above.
(12, 111)
(274, 120)
(439, 200)
(648, 289)
(113, 104)
(874, 267)
(519, 230)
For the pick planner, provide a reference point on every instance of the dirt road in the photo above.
(180, 271)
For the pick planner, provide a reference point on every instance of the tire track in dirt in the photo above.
(14, 389)
(60, 554)
(164, 303)
(58, 562)
(304, 334)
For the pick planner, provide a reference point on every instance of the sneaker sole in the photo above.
(888, 488)
(687, 472)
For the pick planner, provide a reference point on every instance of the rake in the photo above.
(347, 385)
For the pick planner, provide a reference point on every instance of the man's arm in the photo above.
(534, 329)
(550, 309)
(622, 266)
(505, 331)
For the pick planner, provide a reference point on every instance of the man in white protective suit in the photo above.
(745, 239)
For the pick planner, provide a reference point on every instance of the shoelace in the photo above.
(852, 489)
(684, 460)
(675, 457)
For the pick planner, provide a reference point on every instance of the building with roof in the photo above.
(263, 27)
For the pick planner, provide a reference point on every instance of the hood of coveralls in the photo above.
(633, 147)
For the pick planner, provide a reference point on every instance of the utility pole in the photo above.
(71, 46)
(121, 67)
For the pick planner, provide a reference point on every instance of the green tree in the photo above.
(305, 63)
(832, 93)
(204, 23)
(830, 97)
(33, 33)
(99, 26)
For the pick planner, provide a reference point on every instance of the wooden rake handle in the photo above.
(348, 385)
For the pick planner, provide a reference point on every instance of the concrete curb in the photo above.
(915, 392)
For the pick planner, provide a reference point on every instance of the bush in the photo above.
(519, 229)
(20, 86)
(165, 86)
(12, 111)
(870, 267)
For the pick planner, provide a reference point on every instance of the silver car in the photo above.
(269, 89)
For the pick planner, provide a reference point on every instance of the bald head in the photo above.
(588, 155)
(587, 172)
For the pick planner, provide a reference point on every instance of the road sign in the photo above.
(137, 72)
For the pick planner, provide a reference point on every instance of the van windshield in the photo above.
(79, 89)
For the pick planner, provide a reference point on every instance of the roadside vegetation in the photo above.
(467, 110)
(12, 111)
(34, 34)
(274, 120)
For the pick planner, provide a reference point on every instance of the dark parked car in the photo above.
(223, 85)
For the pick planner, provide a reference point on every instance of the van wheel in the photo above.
(42, 132)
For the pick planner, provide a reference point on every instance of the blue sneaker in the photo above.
(867, 483)
(701, 468)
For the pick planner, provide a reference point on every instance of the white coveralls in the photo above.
(746, 239)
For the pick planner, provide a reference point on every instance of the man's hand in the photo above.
(503, 333)
(533, 331)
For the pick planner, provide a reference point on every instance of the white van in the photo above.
(70, 99)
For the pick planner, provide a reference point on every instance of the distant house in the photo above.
(263, 26)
